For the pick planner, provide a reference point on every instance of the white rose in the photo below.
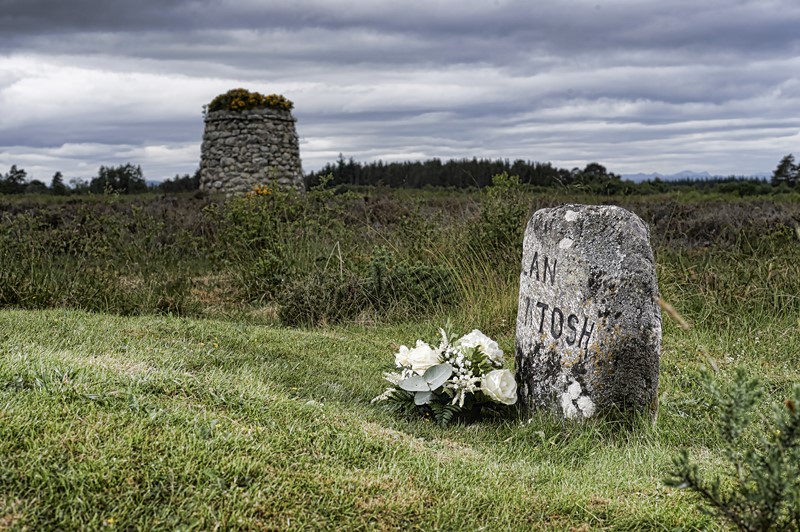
(499, 385)
(487, 345)
(422, 357)
(401, 357)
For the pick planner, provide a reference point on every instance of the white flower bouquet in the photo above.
(457, 377)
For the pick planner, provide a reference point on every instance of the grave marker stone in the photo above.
(588, 324)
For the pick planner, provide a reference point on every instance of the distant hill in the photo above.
(686, 174)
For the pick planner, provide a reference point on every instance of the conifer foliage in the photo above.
(761, 490)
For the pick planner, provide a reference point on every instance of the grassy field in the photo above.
(164, 423)
(176, 423)
(200, 415)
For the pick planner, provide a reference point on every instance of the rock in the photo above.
(588, 325)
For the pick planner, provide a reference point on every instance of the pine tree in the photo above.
(786, 172)
(14, 181)
(57, 185)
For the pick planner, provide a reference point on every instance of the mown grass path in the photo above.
(157, 423)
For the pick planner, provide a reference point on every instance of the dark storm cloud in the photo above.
(516, 27)
(53, 16)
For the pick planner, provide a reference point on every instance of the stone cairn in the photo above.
(589, 325)
(249, 140)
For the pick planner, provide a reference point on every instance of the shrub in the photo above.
(263, 238)
(123, 179)
(416, 286)
(388, 288)
(261, 274)
(502, 219)
(243, 99)
(762, 488)
(322, 296)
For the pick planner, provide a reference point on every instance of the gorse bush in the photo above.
(253, 233)
(503, 215)
(309, 254)
(269, 237)
(761, 490)
(243, 99)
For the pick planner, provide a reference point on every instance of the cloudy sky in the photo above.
(637, 85)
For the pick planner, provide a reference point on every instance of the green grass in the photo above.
(280, 258)
(178, 423)
(208, 415)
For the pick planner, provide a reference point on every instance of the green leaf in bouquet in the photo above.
(437, 375)
(415, 384)
(422, 398)
(433, 377)
(443, 413)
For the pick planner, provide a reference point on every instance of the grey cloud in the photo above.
(54, 16)
(106, 131)
(553, 27)
(598, 80)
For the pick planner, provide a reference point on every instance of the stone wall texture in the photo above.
(242, 149)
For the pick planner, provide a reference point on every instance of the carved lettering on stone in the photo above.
(588, 324)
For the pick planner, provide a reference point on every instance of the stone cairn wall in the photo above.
(242, 149)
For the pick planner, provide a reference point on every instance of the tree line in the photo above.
(594, 178)
(122, 179)
(457, 173)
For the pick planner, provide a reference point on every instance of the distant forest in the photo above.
(594, 178)
(456, 173)
(478, 173)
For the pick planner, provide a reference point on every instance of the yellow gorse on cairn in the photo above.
(260, 190)
(243, 99)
